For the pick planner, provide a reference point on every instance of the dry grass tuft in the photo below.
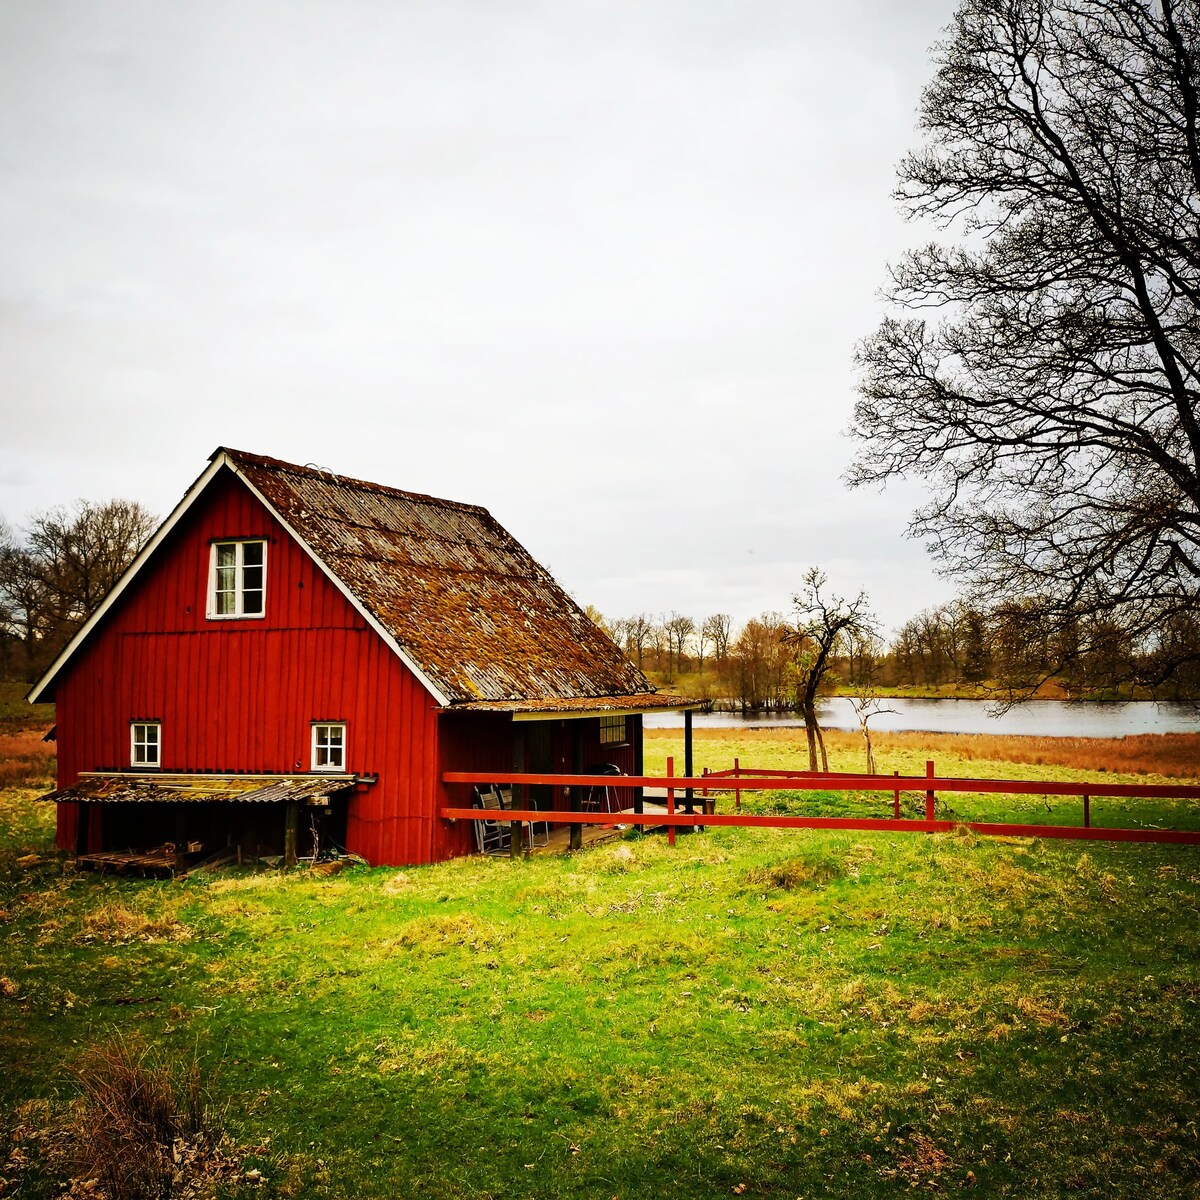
(1041, 1013)
(794, 873)
(115, 922)
(139, 1121)
(437, 933)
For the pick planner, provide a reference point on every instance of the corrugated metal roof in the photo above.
(257, 789)
(460, 596)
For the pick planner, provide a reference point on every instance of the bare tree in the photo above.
(69, 561)
(637, 630)
(701, 644)
(823, 626)
(1053, 407)
(716, 629)
(679, 629)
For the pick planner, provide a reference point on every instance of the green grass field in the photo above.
(753, 1013)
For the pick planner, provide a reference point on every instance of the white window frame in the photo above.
(144, 744)
(327, 747)
(239, 590)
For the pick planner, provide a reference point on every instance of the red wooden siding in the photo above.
(240, 695)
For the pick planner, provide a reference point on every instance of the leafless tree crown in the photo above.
(1050, 400)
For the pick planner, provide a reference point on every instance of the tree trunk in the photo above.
(811, 731)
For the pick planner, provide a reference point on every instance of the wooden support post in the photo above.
(576, 842)
(929, 796)
(896, 798)
(639, 762)
(291, 823)
(670, 802)
(520, 796)
(688, 794)
(737, 791)
(1087, 812)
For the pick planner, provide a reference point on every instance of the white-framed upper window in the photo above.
(145, 743)
(237, 579)
(328, 746)
(612, 731)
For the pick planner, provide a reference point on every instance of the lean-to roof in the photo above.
(123, 787)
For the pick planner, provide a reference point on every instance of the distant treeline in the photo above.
(952, 645)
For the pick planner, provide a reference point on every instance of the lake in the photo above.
(1045, 718)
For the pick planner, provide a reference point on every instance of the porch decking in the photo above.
(594, 835)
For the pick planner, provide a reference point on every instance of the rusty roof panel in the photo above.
(258, 789)
(589, 705)
(468, 604)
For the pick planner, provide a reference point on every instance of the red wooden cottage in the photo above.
(290, 639)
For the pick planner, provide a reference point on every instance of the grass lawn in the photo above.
(757, 1013)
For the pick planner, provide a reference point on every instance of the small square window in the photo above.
(237, 579)
(329, 747)
(612, 731)
(145, 742)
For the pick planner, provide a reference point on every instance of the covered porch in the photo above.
(596, 737)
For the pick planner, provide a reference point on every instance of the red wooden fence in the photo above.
(742, 779)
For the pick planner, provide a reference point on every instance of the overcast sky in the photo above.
(597, 266)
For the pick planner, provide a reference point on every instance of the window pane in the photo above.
(226, 554)
(329, 747)
(252, 554)
(145, 742)
(225, 605)
(252, 603)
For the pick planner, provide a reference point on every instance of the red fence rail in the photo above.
(741, 779)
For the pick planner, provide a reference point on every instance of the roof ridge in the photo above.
(245, 457)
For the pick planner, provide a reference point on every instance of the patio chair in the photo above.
(537, 833)
(491, 836)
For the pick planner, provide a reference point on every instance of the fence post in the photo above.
(737, 791)
(929, 797)
(896, 797)
(670, 802)
(1087, 812)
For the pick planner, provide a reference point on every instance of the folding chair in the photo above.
(491, 836)
(537, 833)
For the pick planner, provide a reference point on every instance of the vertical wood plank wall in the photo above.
(240, 695)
